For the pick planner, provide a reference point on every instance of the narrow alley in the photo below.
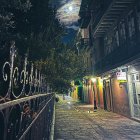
(75, 121)
(70, 70)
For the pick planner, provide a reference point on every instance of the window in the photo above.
(136, 77)
(122, 31)
(117, 38)
(138, 14)
(108, 44)
(134, 93)
(131, 24)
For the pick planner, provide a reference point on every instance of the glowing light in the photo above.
(70, 8)
(93, 80)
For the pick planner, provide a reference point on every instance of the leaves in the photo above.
(36, 30)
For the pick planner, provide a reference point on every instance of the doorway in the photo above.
(108, 98)
(135, 94)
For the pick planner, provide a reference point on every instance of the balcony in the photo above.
(108, 14)
(119, 56)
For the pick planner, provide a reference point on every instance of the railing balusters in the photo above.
(26, 108)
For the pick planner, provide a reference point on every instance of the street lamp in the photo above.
(94, 81)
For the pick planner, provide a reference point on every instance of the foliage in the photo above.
(34, 27)
(63, 66)
(7, 16)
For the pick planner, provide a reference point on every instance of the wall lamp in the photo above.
(93, 80)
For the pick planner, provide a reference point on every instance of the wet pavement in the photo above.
(76, 121)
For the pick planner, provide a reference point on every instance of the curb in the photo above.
(52, 127)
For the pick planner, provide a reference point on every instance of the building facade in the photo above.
(114, 38)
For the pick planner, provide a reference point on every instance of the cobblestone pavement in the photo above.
(79, 122)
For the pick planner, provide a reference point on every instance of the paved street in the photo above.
(79, 122)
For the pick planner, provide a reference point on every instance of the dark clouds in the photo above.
(68, 17)
(65, 15)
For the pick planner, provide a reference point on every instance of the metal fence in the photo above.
(26, 107)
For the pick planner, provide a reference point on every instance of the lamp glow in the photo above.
(93, 80)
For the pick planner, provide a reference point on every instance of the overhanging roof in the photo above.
(114, 11)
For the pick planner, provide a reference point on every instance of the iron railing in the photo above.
(26, 107)
(126, 51)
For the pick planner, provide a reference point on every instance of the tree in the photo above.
(7, 17)
(36, 30)
(63, 66)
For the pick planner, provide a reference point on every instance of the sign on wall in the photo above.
(121, 76)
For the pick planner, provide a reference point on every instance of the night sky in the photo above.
(70, 36)
(67, 13)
